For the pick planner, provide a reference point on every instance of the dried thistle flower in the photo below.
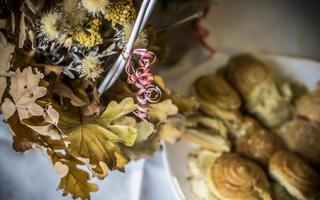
(120, 12)
(70, 7)
(91, 36)
(49, 25)
(95, 7)
(90, 66)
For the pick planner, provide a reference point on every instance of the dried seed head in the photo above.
(120, 12)
(90, 66)
(91, 36)
(95, 6)
(49, 25)
(70, 7)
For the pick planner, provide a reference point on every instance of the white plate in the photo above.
(175, 157)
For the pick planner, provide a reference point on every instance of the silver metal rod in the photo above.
(121, 59)
(143, 16)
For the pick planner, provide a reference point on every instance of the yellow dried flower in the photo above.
(90, 67)
(95, 6)
(70, 7)
(49, 24)
(91, 36)
(120, 12)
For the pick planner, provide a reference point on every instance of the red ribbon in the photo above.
(202, 32)
(142, 78)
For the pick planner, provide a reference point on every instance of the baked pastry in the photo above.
(210, 123)
(303, 137)
(199, 162)
(207, 139)
(232, 177)
(299, 179)
(264, 97)
(308, 106)
(259, 146)
(216, 96)
(280, 193)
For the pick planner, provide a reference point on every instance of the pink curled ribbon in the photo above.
(139, 74)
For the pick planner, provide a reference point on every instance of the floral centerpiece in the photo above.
(54, 58)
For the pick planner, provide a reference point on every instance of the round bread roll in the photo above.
(246, 72)
(299, 179)
(303, 137)
(265, 97)
(259, 146)
(309, 106)
(232, 177)
(215, 93)
(280, 193)
(245, 125)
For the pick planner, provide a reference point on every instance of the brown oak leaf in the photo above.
(45, 125)
(74, 180)
(6, 49)
(25, 91)
(24, 138)
(64, 91)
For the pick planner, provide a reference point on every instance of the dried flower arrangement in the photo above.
(54, 55)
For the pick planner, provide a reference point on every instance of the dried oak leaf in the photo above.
(35, 5)
(169, 133)
(97, 138)
(6, 49)
(22, 30)
(144, 128)
(64, 91)
(147, 141)
(146, 148)
(74, 181)
(45, 125)
(24, 138)
(25, 91)
(160, 112)
(186, 105)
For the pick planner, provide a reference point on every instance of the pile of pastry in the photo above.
(259, 135)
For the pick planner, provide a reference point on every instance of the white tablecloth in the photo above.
(30, 176)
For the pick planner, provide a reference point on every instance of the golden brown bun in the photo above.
(259, 146)
(265, 98)
(215, 94)
(303, 137)
(232, 177)
(299, 179)
(309, 106)
(280, 193)
(246, 72)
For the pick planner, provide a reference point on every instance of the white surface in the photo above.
(31, 176)
(288, 27)
(302, 70)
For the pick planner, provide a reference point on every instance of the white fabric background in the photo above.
(31, 176)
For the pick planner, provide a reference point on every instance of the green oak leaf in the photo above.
(97, 139)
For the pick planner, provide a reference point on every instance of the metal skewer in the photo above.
(114, 73)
